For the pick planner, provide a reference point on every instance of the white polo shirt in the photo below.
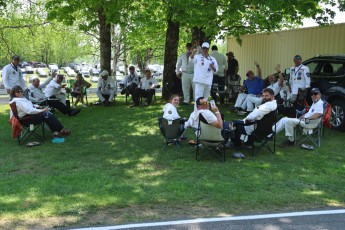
(202, 71)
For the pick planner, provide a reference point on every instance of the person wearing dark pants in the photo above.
(146, 89)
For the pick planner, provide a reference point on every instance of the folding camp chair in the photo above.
(29, 129)
(171, 131)
(209, 140)
(70, 90)
(263, 133)
(312, 135)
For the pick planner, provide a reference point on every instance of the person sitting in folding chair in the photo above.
(146, 89)
(171, 114)
(106, 88)
(243, 129)
(37, 114)
(79, 89)
(37, 96)
(213, 118)
(309, 120)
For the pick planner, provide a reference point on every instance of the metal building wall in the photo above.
(280, 47)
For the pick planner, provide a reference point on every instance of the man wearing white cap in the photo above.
(106, 88)
(204, 68)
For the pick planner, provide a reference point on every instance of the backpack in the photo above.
(327, 116)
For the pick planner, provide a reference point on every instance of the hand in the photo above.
(195, 50)
(278, 68)
(212, 66)
(256, 63)
(215, 109)
(45, 110)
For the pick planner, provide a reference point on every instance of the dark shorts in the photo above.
(75, 94)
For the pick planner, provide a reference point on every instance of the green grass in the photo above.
(112, 170)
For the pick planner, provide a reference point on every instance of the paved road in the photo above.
(328, 219)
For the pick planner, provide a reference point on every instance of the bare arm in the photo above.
(258, 69)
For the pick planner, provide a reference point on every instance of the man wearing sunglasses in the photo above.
(210, 116)
(204, 67)
(309, 120)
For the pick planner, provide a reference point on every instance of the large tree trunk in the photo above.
(171, 84)
(199, 36)
(105, 41)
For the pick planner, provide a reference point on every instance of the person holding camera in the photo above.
(106, 88)
(131, 81)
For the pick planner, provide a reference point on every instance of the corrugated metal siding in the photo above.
(280, 47)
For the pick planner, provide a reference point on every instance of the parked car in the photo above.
(94, 72)
(85, 73)
(94, 78)
(70, 72)
(41, 72)
(52, 68)
(32, 77)
(29, 69)
(23, 64)
(328, 74)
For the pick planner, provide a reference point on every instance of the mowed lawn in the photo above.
(112, 170)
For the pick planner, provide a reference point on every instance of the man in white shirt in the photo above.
(218, 83)
(131, 81)
(204, 67)
(37, 96)
(53, 89)
(309, 120)
(187, 67)
(268, 105)
(299, 80)
(146, 89)
(106, 88)
(12, 75)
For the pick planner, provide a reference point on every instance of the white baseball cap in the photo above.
(205, 44)
(104, 73)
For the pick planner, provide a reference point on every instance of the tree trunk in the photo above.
(171, 84)
(199, 36)
(105, 41)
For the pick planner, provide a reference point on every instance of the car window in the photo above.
(331, 69)
(313, 67)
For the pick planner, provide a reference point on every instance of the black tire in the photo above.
(338, 115)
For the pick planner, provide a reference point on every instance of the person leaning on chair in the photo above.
(25, 108)
(213, 118)
(268, 105)
(106, 88)
(309, 120)
(37, 96)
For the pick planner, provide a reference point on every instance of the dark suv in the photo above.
(327, 74)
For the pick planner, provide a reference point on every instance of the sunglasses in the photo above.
(205, 48)
(19, 91)
(205, 103)
(314, 94)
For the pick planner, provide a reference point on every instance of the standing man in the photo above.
(204, 67)
(187, 67)
(233, 66)
(106, 88)
(12, 75)
(299, 79)
(218, 83)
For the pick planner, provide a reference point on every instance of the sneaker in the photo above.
(241, 113)
(229, 145)
(237, 108)
(84, 106)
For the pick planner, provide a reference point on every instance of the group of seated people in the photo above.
(239, 131)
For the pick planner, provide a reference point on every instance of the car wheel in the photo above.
(338, 115)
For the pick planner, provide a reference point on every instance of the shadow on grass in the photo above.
(112, 169)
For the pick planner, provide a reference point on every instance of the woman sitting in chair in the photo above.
(78, 89)
(170, 111)
(32, 114)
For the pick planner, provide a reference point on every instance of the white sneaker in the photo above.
(84, 106)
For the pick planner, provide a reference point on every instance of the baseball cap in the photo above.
(297, 57)
(230, 54)
(249, 72)
(315, 90)
(205, 44)
(189, 44)
(104, 73)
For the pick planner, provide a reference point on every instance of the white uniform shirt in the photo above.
(36, 94)
(52, 89)
(12, 76)
(258, 113)
(202, 71)
(193, 120)
(299, 78)
(170, 112)
(24, 107)
(131, 78)
(104, 84)
(184, 64)
(275, 87)
(147, 83)
(315, 108)
(221, 61)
